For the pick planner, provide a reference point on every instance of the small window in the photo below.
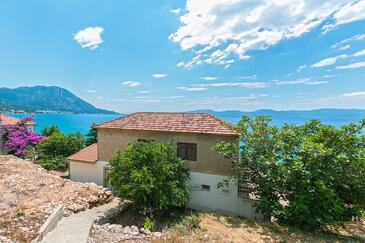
(205, 188)
(187, 151)
(243, 189)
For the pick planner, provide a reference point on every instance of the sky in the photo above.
(135, 55)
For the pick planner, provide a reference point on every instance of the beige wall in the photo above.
(208, 160)
(87, 172)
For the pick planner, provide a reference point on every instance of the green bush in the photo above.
(151, 175)
(48, 131)
(148, 224)
(308, 176)
(52, 151)
(56, 163)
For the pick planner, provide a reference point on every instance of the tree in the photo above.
(91, 137)
(18, 138)
(48, 131)
(53, 150)
(151, 175)
(309, 176)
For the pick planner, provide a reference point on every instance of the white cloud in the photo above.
(352, 11)
(254, 76)
(306, 81)
(159, 75)
(191, 88)
(359, 53)
(328, 61)
(344, 44)
(89, 37)
(301, 68)
(352, 65)
(218, 30)
(144, 91)
(354, 94)
(90, 91)
(209, 78)
(249, 85)
(132, 83)
(176, 11)
(331, 75)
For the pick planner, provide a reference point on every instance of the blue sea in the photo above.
(82, 122)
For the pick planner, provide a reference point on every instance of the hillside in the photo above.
(44, 99)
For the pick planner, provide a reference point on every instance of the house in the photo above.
(9, 120)
(195, 135)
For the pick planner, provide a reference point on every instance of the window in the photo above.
(243, 189)
(187, 151)
(205, 188)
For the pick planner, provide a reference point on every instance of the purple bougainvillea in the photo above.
(17, 138)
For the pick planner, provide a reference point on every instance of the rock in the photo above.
(27, 187)
(127, 230)
(134, 230)
(157, 234)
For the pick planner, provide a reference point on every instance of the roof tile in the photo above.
(88, 154)
(172, 122)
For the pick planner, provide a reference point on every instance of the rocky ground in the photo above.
(117, 233)
(28, 195)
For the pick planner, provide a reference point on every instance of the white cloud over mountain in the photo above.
(89, 37)
(220, 30)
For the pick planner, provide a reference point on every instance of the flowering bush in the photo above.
(18, 138)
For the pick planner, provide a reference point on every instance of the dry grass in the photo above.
(218, 228)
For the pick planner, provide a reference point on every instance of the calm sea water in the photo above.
(82, 122)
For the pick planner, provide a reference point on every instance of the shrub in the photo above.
(317, 170)
(48, 131)
(151, 175)
(18, 138)
(51, 152)
(148, 224)
(56, 163)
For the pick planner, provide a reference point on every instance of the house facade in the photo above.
(195, 135)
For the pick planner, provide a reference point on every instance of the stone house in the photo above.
(194, 134)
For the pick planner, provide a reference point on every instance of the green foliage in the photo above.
(20, 214)
(56, 163)
(48, 131)
(148, 224)
(308, 176)
(151, 175)
(51, 152)
(91, 137)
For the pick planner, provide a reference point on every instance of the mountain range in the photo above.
(44, 99)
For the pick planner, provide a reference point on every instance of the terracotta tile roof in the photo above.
(9, 120)
(88, 154)
(172, 122)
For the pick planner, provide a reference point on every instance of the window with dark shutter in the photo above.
(187, 151)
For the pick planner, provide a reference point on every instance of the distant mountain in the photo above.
(44, 99)
(327, 114)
